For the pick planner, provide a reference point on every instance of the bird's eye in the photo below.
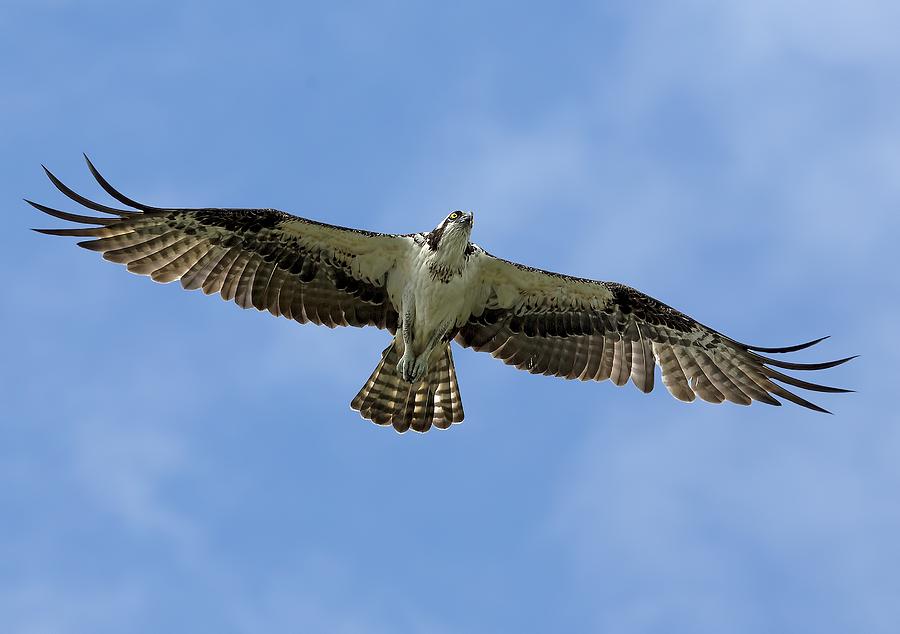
(453, 216)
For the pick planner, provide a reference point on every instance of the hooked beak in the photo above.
(469, 218)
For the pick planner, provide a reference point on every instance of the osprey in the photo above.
(429, 289)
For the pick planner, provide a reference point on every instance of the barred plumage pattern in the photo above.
(610, 344)
(257, 258)
(387, 399)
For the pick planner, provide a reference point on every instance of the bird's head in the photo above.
(453, 232)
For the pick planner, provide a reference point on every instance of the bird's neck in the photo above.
(449, 258)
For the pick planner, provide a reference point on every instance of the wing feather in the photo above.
(596, 346)
(260, 258)
(718, 378)
(621, 363)
(152, 262)
(673, 374)
(197, 274)
(215, 281)
(571, 327)
(605, 368)
(234, 275)
(644, 362)
(580, 357)
(177, 268)
(243, 294)
(272, 298)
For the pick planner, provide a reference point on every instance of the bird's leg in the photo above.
(407, 361)
(420, 366)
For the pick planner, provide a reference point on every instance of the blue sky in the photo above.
(172, 463)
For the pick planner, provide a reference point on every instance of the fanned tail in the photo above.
(386, 399)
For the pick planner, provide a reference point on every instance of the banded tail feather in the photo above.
(386, 399)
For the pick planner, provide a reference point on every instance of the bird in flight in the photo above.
(428, 289)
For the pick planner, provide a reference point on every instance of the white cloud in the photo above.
(835, 31)
(51, 606)
(316, 595)
(685, 514)
(126, 464)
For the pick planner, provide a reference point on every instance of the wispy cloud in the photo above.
(691, 513)
(44, 606)
(126, 464)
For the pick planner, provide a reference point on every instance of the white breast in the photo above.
(434, 302)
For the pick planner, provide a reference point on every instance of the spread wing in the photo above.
(557, 325)
(264, 258)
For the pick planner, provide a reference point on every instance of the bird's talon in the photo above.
(418, 369)
(405, 368)
(412, 369)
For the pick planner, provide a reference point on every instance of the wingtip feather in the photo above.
(112, 191)
(790, 365)
(795, 348)
(64, 215)
(81, 200)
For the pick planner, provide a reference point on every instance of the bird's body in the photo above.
(429, 289)
(432, 291)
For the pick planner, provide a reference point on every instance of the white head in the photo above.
(451, 237)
